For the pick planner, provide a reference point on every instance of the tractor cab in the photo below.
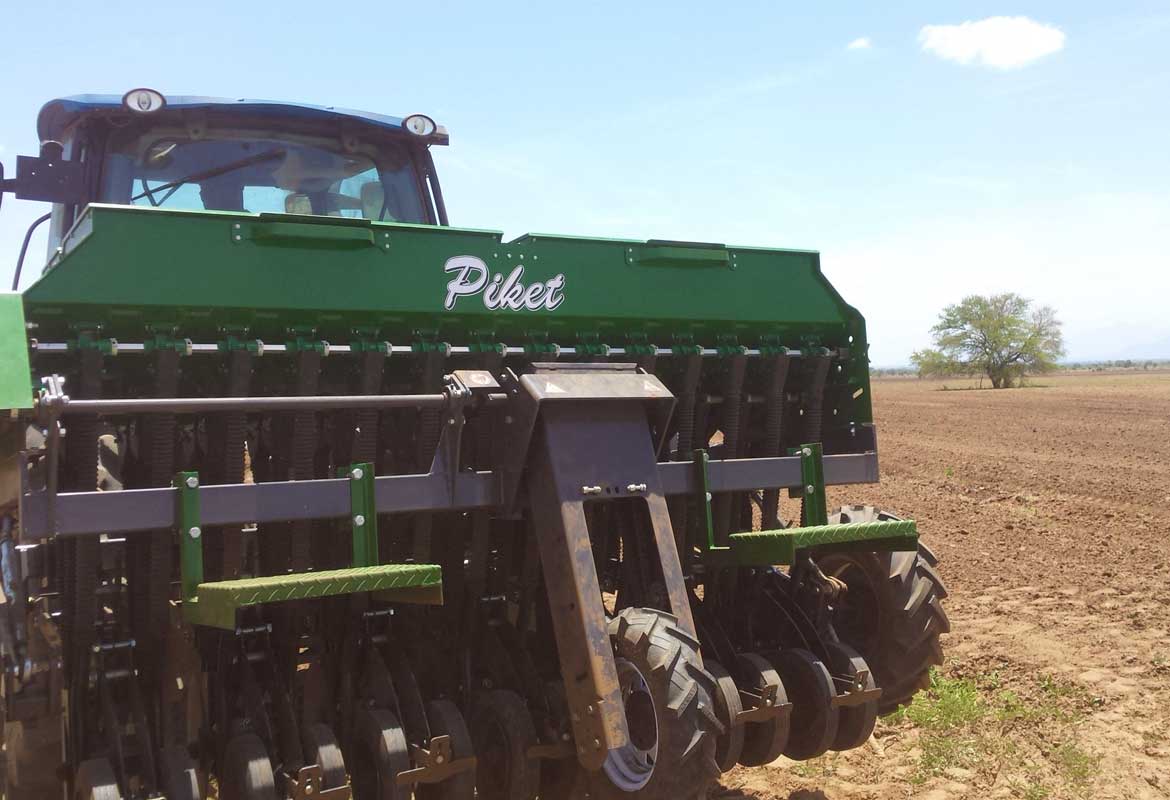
(253, 156)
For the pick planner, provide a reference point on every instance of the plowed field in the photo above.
(1049, 507)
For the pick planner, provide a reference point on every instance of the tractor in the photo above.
(307, 493)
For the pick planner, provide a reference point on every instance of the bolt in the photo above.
(565, 737)
(590, 490)
(238, 238)
(589, 708)
(192, 482)
(357, 474)
(359, 520)
(507, 420)
(309, 787)
(596, 744)
(195, 533)
(438, 759)
(809, 489)
(709, 497)
(636, 487)
(806, 451)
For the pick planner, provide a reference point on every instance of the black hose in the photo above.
(24, 247)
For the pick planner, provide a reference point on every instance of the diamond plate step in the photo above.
(215, 604)
(765, 548)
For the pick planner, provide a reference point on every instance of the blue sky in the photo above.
(924, 158)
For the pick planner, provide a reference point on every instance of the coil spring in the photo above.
(814, 412)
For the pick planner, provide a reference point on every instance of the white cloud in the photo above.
(1000, 42)
(861, 43)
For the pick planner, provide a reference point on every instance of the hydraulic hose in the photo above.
(24, 246)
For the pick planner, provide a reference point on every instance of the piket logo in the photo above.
(497, 291)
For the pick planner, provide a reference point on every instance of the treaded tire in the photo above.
(897, 615)
(668, 660)
(501, 726)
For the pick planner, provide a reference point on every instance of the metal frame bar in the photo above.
(134, 510)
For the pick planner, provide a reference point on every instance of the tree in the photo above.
(1001, 336)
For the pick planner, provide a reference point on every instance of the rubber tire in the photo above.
(854, 723)
(810, 687)
(321, 748)
(95, 781)
(764, 742)
(909, 594)
(683, 693)
(247, 772)
(729, 744)
(501, 719)
(384, 751)
(445, 720)
(180, 774)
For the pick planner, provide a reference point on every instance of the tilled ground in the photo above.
(1049, 507)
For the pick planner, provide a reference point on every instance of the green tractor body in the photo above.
(307, 490)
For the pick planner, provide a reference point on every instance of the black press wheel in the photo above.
(246, 772)
(321, 748)
(855, 723)
(502, 731)
(810, 687)
(380, 754)
(764, 742)
(892, 612)
(670, 714)
(180, 774)
(95, 781)
(729, 744)
(445, 720)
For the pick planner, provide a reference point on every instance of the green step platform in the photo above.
(215, 604)
(765, 548)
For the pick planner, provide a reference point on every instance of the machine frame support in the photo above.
(595, 445)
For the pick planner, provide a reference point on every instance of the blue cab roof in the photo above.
(57, 115)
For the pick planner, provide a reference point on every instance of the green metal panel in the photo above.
(127, 267)
(15, 384)
(218, 602)
(765, 548)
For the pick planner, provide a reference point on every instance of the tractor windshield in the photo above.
(258, 171)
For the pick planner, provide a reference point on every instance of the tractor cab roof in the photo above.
(58, 115)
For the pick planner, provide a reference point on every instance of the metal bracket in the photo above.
(363, 513)
(703, 521)
(190, 532)
(761, 707)
(812, 473)
(435, 763)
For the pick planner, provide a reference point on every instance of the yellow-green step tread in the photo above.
(763, 548)
(216, 603)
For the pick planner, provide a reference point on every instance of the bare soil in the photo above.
(1049, 507)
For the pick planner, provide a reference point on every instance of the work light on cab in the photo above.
(419, 124)
(143, 101)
